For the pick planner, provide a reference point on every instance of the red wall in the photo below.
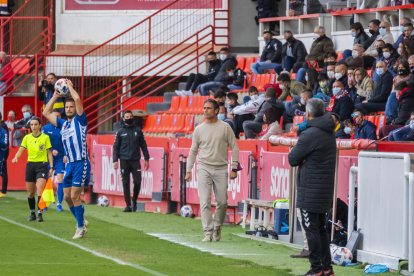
(16, 104)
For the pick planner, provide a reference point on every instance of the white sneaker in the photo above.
(179, 92)
(80, 232)
(188, 93)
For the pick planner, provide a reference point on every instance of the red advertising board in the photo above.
(238, 188)
(113, 5)
(274, 175)
(344, 166)
(107, 180)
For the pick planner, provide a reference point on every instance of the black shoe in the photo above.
(313, 273)
(127, 209)
(134, 206)
(32, 217)
(40, 217)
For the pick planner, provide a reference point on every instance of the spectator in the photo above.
(408, 46)
(252, 128)
(311, 69)
(272, 117)
(351, 86)
(356, 59)
(222, 78)
(340, 103)
(405, 133)
(271, 56)
(293, 53)
(296, 7)
(289, 87)
(363, 129)
(247, 111)
(297, 106)
(389, 56)
(321, 45)
(385, 32)
(382, 90)
(403, 24)
(211, 142)
(322, 92)
(232, 102)
(194, 80)
(360, 38)
(364, 85)
(45, 91)
(238, 76)
(4, 154)
(330, 57)
(330, 72)
(374, 52)
(373, 27)
(340, 75)
(315, 154)
(402, 51)
(220, 96)
(11, 119)
(391, 107)
(22, 124)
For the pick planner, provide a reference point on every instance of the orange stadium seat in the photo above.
(151, 122)
(189, 124)
(248, 64)
(177, 124)
(175, 105)
(183, 104)
(241, 62)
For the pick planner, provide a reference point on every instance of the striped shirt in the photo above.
(74, 137)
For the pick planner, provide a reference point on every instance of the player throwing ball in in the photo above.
(73, 131)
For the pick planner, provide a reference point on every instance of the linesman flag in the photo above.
(47, 195)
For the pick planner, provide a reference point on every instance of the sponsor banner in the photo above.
(113, 5)
(107, 180)
(274, 175)
(344, 166)
(238, 189)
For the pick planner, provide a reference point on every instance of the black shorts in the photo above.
(36, 170)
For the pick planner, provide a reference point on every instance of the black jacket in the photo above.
(298, 50)
(272, 51)
(265, 105)
(128, 142)
(315, 154)
(213, 68)
(344, 107)
(370, 40)
(382, 89)
(222, 75)
(321, 46)
(405, 107)
(361, 38)
(238, 78)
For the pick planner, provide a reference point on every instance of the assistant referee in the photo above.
(39, 157)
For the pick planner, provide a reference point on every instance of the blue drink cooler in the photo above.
(281, 217)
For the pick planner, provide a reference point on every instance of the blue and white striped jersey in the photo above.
(74, 137)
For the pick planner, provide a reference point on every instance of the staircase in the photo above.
(143, 59)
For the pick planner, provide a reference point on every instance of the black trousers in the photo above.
(318, 240)
(238, 120)
(367, 108)
(129, 167)
(4, 174)
(195, 80)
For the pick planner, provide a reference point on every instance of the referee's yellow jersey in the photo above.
(36, 147)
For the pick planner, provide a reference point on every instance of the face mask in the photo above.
(231, 74)
(306, 78)
(322, 84)
(129, 121)
(221, 116)
(336, 90)
(330, 74)
(281, 86)
(402, 72)
(338, 76)
(26, 115)
(402, 29)
(353, 34)
(355, 54)
(412, 69)
(386, 55)
(379, 71)
(347, 130)
(302, 101)
(223, 56)
(382, 31)
(399, 50)
(372, 32)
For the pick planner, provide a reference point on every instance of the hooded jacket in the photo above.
(315, 154)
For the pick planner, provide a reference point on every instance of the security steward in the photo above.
(128, 143)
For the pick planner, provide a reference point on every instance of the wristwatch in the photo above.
(234, 170)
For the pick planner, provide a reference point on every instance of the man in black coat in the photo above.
(293, 53)
(271, 56)
(315, 154)
(128, 143)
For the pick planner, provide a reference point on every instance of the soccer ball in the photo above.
(61, 87)
(186, 211)
(341, 255)
(103, 201)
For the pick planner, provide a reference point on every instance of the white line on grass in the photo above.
(96, 253)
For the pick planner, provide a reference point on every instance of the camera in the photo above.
(44, 83)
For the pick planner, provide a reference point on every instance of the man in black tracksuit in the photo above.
(315, 154)
(128, 143)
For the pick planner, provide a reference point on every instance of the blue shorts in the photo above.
(77, 174)
(58, 165)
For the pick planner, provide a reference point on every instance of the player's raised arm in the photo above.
(47, 112)
(75, 97)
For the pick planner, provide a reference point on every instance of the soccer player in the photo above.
(39, 164)
(73, 131)
(58, 154)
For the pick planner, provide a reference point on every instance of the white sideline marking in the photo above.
(96, 253)
(174, 238)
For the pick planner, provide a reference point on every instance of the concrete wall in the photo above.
(243, 28)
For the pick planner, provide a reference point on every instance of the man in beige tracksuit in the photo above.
(211, 141)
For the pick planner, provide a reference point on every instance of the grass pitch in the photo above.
(130, 239)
